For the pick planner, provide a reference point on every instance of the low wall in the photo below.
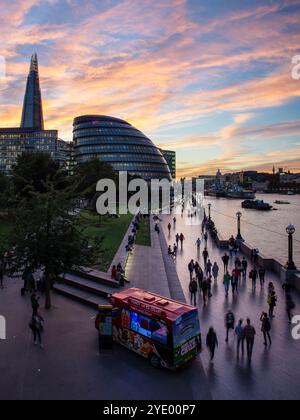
(268, 263)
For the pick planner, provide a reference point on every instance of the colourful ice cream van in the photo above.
(162, 330)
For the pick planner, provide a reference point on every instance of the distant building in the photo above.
(170, 157)
(118, 143)
(15, 141)
(31, 136)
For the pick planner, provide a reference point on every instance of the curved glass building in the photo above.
(117, 142)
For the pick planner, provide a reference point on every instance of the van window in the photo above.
(140, 324)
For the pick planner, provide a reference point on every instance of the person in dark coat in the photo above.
(212, 342)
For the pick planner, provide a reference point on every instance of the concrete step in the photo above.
(96, 276)
(82, 296)
(87, 285)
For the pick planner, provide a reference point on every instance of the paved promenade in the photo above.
(70, 366)
(274, 373)
(145, 267)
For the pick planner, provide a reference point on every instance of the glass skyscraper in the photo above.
(32, 115)
(31, 136)
(117, 142)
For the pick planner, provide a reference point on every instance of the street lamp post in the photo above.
(290, 230)
(239, 216)
(209, 212)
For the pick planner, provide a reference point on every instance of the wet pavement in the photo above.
(275, 371)
(70, 366)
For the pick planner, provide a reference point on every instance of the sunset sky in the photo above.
(210, 79)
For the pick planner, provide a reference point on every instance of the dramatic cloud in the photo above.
(193, 78)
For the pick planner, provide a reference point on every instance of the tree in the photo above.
(47, 236)
(87, 175)
(32, 170)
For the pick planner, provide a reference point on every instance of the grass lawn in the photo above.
(143, 236)
(108, 231)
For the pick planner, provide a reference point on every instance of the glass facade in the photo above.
(31, 136)
(171, 161)
(32, 115)
(15, 141)
(117, 142)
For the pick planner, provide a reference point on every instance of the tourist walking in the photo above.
(245, 267)
(253, 276)
(208, 268)
(225, 260)
(262, 275)
(182, 238)
(34, 304)
(205, 237)
(193, 288)
(157, 228)
(205, 288)
(226, 282)
(198, 244)
(177, 239)
(266, 328)
(231, 245)
(36, 325)
(200, 276)
(234, 282)
(254, 257)
(191, 267)
(215, 271)
(175, 250)
(240, 334)
(249, 332)
(174, 221)
(272, 301)
(229, 323)
(209, 282)
(271, 288)
(169, 228)
(205, 257)
(212, 342)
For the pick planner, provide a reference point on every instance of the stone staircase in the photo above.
(89, 286)
(86, 287)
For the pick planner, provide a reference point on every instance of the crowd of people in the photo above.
(203, 276)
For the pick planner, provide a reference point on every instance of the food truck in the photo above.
(164, 331)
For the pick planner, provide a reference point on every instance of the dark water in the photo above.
(264, 230)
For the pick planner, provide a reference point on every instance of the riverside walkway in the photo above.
(70, 366)
(274, 372)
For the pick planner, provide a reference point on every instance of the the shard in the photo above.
(32, 115)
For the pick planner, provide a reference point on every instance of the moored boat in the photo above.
(281, 202)
(256, 205)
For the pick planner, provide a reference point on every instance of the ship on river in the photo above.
(256, 205)
(234, 192)
(222, 189)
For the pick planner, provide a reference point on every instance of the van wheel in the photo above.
(154, 361)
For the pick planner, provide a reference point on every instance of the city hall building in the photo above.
(117, 142)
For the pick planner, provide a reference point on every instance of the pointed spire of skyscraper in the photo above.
(32, 115)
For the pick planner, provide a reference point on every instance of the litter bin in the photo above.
(104, 326)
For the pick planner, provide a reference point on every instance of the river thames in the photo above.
(263, 230)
